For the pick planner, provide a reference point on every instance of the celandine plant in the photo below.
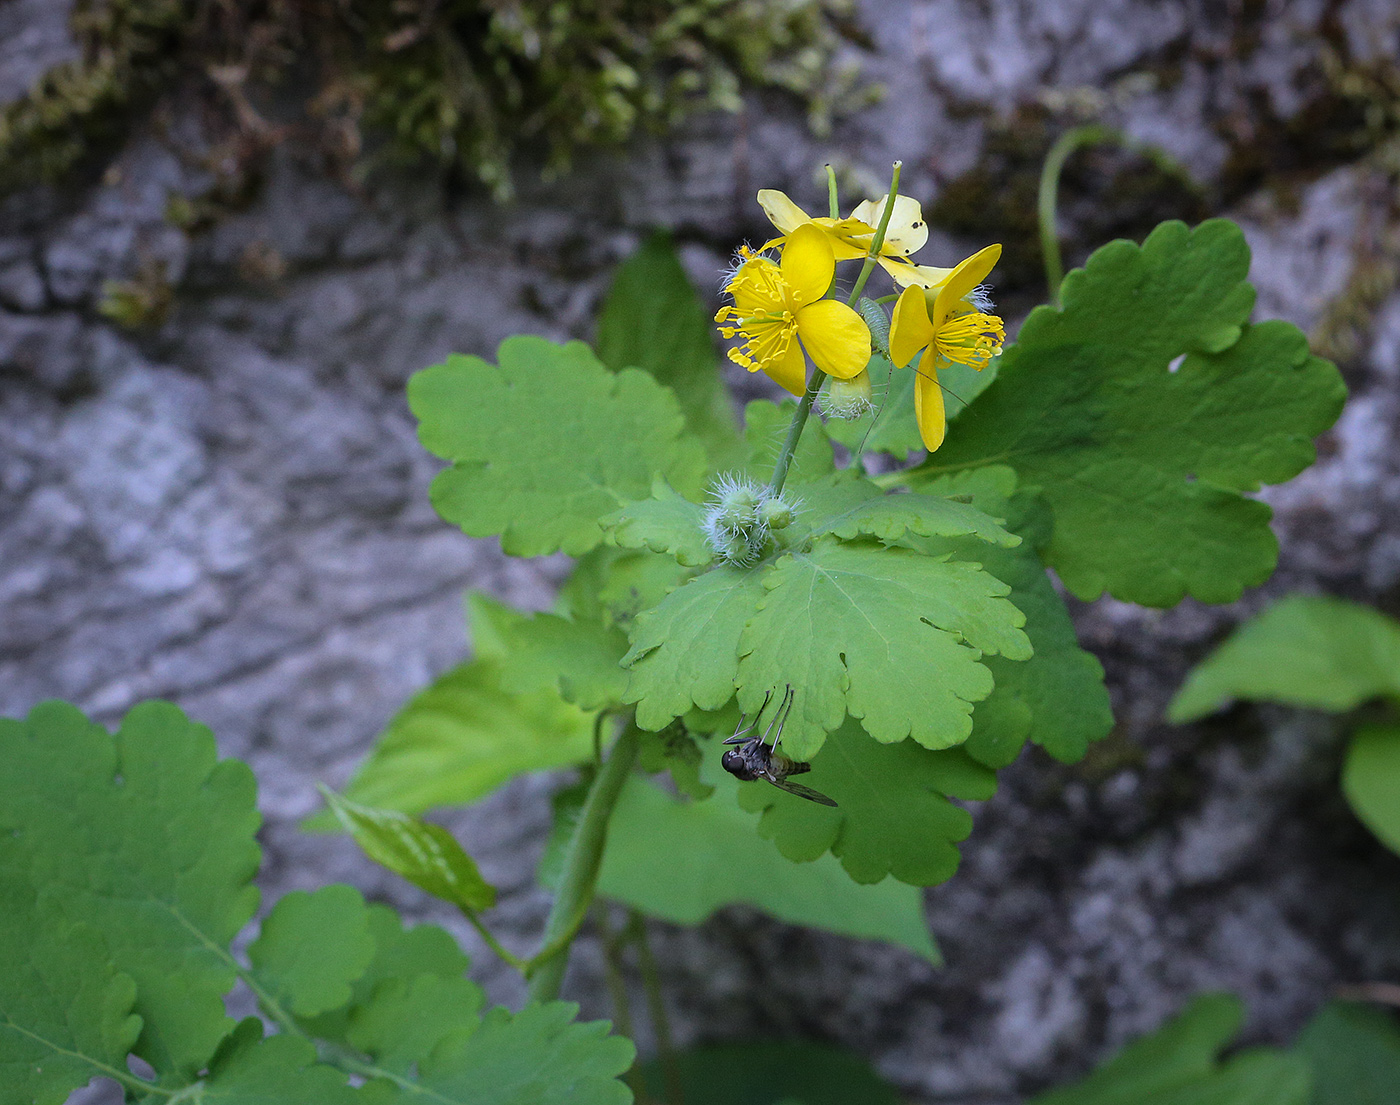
(741, 601)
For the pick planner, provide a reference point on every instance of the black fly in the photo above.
(756, 758)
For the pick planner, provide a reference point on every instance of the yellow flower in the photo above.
(850, 238)
(948, 329)
(777, 303)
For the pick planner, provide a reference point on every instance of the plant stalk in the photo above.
(656, 1010)
(582, 861)
(1091, 134)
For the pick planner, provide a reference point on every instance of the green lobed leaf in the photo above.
(1306, 650)
(727, 864)
(278, 1070)
(892, 814)
(1058, 700)
(1143, 459)
(547, 442)
(676, 752)
(426, 855)
(1179, 1064)
(1371, 781)
(148, 839)
(665, 523)
(653, 319)
(464, 736)
(890, 636)
(685, 650)
(1354, 1052)
(311, 947)
(613, 586)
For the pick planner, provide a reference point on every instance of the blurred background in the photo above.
(231, 229)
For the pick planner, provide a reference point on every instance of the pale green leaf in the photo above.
(1355, 1055)
(311, 947)
(850, 508)
(1371, 780)
(653, 319)
(892, 814)
(665, 523)
(144, 836)
(463, 737)
(1306, 650)
(685, 650)
(887, 635)
(1179, 1064)
(727, 864)
(546, 443)
(426, 855)
(676, 752)
(578, 660)
(1143, 459)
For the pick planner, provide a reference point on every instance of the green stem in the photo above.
(582, 861)
(495, 945)
(832, 205)
(878, 242)
(656, 1009)
(814, 385)
(1091, 134)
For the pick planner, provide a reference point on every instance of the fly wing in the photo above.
(801, 791)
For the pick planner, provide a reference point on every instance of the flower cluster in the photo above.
(782, 313)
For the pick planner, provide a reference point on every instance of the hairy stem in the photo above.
(582, 860)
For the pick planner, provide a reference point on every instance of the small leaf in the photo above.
(426, 855)
(1355, 1055)
(653, 319)
(727, 864)
(1371, 781)
(546, 443)
(675, 751)
(1305, 650)
(854, 508)
(578, 660)
(890, 636)
(665, 523)
(277, 1070)
(1143, 467)
(1179, 1064)
(463, 737)
(311, 947)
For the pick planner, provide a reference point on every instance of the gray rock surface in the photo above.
(230, 512)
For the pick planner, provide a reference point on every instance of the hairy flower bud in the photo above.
(846, 399)
(775, 512)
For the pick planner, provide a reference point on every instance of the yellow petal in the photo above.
(910, 330)
(757, 287)
(850, 238)
(781, 211)
(907, 231)
(790, 370)
(907, 276)
(808, 264)
(928, 403)
(836, 338)
(964, 278)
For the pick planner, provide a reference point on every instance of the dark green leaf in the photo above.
(1355, 1056)
(1371, 781)
(654, 320)
(311, 948)
(1143, 460)
(772, 1072)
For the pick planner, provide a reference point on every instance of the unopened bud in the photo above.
(847, 399)
(775, 513)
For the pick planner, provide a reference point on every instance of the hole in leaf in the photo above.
(140, 1068)
(1176, 362)
(1190, 477)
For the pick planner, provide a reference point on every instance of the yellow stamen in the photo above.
(972, 338)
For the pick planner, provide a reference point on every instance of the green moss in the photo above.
(461, 84)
